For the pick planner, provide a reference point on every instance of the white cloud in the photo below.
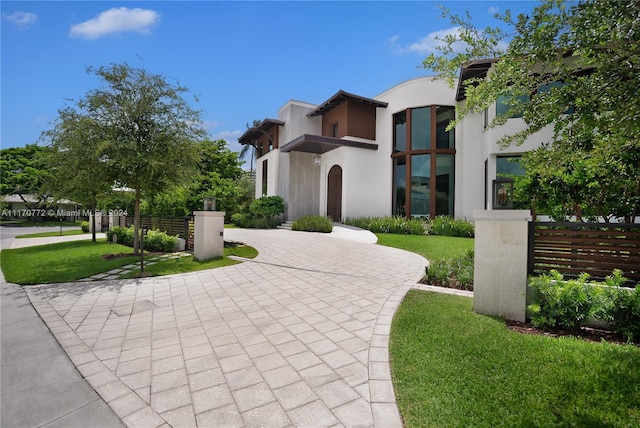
(116, 20)
(431, 41)
(20, 19)
(494, 9)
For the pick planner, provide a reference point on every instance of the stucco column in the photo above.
(500, 267)
(208, 234)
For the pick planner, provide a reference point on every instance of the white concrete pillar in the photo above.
(500, 267)
(98, 217)
(208, 234)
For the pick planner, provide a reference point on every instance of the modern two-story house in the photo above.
(354, 156)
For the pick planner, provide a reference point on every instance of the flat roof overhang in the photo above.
(341, 96)
(318, 144)
(255, 132)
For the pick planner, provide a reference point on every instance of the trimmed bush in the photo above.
(84, 226)
(264, 213)
(447, 226)
(621, 306)
(313, 223)
(561, 304)
(396, 225)
(452, 273)
(155, 240)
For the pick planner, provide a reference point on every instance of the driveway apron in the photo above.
(296, 337)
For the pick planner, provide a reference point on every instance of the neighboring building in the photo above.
(16, 207)
(354, 156)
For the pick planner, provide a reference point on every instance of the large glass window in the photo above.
(399, 186)
(423, 160)
(421, 128)
(444, 139)
(420, 179)
(444, 184)
(504, 104)
(508, 166)
(400, 132)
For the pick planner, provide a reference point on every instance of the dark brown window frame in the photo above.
(409, 153)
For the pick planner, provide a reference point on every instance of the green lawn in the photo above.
(452, 367)
(61, 262)
(189, 264)
(57, 233)
(71, 261)
(430, 247)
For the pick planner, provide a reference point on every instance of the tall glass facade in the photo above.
(423, 162)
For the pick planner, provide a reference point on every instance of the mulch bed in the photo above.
(585, 333)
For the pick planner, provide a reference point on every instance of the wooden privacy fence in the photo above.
(594, 248)
(181, 226)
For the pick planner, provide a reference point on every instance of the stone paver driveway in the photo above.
(296, 337)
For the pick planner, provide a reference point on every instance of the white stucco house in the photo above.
(354, 156)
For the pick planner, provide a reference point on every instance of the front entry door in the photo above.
(334, 193)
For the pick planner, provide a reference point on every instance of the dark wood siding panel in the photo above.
(339, 115)
(361, 120)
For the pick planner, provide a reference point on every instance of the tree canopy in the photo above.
(24, 172)
(135, 131)
(574, 67)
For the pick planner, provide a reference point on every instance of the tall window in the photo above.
(423, 162)
(265, 174)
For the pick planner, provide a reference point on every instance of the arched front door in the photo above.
(334, 193)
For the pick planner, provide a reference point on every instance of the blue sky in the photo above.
(244, 60)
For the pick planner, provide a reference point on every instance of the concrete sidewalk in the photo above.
(40, 385)
(31, 242)
(296, 337)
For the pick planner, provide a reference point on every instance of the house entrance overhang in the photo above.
(318, 144)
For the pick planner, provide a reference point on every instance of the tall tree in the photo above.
(77, 170)
(140, 128)
(24, 172)
(578, 67)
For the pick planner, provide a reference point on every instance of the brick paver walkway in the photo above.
(296, 337)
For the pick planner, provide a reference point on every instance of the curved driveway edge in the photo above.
(296, 337)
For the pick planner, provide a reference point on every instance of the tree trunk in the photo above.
(93, 225)
(136, 222)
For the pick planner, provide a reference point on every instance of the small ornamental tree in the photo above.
(141, 130)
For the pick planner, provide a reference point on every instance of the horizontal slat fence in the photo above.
(181, 226)
(594, 248)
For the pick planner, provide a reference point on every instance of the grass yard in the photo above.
(57, 233)
(430, 247)
(189, 264)
(71, 261)
(61, 262)
(452, 367)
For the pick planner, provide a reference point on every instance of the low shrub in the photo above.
(452, 273)
(621, 307)
(264, 213)
(568, 304)
(313, 223)
(396, 225)
(124, 235)
(84, 226)
(447, 226)
(155, 240)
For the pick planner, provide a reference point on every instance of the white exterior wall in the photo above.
(470, 156)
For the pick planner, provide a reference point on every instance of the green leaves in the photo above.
(578, 65)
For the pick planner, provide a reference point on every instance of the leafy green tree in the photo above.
(577, 65)
(140, 128)
(249, 149)
(24, 172)
(218, 174)
(77, 170)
